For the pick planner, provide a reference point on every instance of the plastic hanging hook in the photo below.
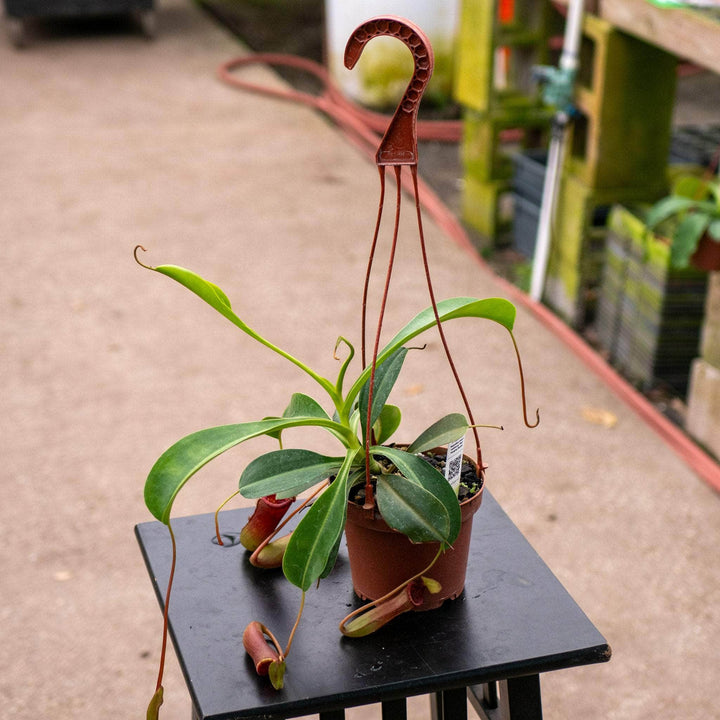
(399, 144)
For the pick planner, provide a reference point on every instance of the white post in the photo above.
(568, 64)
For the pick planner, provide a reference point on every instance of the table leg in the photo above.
(394, 710)
(519, 699)
(449, 705)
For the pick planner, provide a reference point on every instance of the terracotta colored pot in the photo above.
(382, 558)
(707, 255)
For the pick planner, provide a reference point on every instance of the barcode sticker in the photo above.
(453, 462)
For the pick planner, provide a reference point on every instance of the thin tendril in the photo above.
(295, 627)
(368, 423)
(217, 512)
(472, 424)
(522, 387)
(163, 651)
(138, 261)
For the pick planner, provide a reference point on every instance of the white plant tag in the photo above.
(453, 462)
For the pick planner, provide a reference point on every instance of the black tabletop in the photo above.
(514, 618)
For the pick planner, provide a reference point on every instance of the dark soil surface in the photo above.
(469, 485)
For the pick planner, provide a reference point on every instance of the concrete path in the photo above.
(108, 141)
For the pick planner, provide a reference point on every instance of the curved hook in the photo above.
(399, 144)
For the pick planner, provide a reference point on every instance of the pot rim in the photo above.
(468, 507)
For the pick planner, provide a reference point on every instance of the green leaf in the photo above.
(217, 299)
(686, 237)
(332, 558)
(285, 473)
(444, 431)
(691, 186)
(204, 289)
(181, 461)
(412, 510)
(424, 474)
(387, 423)
(386, 374)
(666, 208)
(498, 310)
(314, 539)
(275, 434)
(304, 406)
(431, 585)
(276, 673)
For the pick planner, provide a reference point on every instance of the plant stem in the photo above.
(295, 627)
(163, 651)
(522, 387)
(217, 525)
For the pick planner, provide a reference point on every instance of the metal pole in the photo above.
(560, 90)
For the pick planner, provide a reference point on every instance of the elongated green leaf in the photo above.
(218, 300)
(412, 510)
(285, 473)
(332, 558)
(385, 376)
(181, 461)
(444, 431)
(498, 310)
(304, 406)
(667, 207)
(314, 539)
(276, 434)
(419, 471)
(208, 291)
(387, 423)
(686, 237)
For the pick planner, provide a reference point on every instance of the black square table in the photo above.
(513, 621)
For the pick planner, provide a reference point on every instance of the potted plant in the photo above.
(371, 488)
(408, 491)
(694, 209)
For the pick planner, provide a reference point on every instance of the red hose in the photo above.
(363, 128)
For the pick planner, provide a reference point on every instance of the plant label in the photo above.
(453, 462)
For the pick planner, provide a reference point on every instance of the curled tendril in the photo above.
(345, 363)
(522, 388)
(138, 261)
(343, 341)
